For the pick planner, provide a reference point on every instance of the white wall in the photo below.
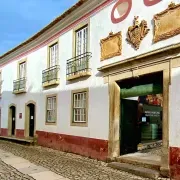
(174, 105)
(98, 117)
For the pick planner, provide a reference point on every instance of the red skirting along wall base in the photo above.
(89, 147)
(4, 131)
(93, 148)
(20, 133)
(175, 162)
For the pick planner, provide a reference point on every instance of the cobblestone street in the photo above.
(65, 164)
(9, 173)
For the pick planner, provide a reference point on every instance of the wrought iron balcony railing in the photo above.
(19, 85)
(50, 74)
(78, 64)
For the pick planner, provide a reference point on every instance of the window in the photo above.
(81, 40)
(19, 85)
(80, 107)
(22, 70)
(53, 55)
(51, 109)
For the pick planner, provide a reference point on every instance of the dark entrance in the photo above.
(13, 119)
(31, 119)
(128, 126)
(138, 117)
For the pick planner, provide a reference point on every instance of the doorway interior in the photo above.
(141, 113)
(13, 119)
(31, 118)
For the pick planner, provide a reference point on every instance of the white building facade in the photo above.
(62, 86)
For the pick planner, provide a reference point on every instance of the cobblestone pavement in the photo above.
(69, 165)
(9, 173)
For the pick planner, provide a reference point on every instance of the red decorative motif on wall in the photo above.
(117, 20)
(126, 13)
(151, 2)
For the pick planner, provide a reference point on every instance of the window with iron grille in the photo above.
(22, 70)
(53, 55)
(80, 107)
(81, 40)
(51, 109)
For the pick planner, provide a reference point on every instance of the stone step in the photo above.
(146, 163)
(23, 141)
(136, 170)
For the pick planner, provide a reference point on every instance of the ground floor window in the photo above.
(80, 106)
(51, 109)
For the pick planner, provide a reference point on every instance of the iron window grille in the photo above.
(78, 64)
(50, 74)
(19, 84)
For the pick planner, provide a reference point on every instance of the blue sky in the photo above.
(20, 19)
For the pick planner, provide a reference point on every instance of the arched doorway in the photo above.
(30, 119)
(12, 120)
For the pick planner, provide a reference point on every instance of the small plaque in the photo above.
(20, 115)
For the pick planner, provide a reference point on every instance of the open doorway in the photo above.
(30, 119)
(141, 113)
(12, 116)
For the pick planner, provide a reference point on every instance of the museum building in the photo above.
(101, 80)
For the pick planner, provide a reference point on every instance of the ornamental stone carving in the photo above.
(111, 46)
(137, 32)
(167, 23)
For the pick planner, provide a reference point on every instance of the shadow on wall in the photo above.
(89, 147)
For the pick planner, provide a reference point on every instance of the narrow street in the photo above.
(66, 165)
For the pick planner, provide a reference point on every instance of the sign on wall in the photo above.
(20, 115)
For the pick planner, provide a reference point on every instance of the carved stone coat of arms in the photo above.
(137, 32)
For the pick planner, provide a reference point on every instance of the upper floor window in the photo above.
(19, 85)
(53, 55)
(22, 70)
(78, 65)
(50, 76)
(81, 41)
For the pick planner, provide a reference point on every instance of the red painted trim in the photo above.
(94, 148)
(151, 2)
(118, 20)
(20, 133)
(174, 157)
(4, 131)
(60, 32)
